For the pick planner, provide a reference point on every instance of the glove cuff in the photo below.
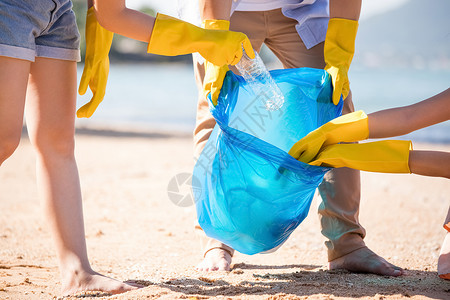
(342, 30)
(167, 31)
(340, 41)
(90, 11)
(352, 127)
(216, 24)
(387, 156)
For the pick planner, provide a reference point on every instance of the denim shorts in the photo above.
(39, 28)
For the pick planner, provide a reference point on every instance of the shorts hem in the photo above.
(58, 53)
(17, 52)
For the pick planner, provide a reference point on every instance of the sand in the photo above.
(134, 231)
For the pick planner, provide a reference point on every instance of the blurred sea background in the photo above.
(402, 56)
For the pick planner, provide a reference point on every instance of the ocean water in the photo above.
(163, 97)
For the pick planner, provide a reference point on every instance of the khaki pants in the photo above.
(340, 190)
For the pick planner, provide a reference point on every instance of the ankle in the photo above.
(75, 274)
(223, 250)
(219, 252)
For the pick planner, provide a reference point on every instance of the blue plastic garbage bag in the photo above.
(243, 200)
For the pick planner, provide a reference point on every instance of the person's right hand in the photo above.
(223, 47)
(171, 36)
(213, 81)
(96, 64)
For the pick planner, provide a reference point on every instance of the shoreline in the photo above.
(146, 131)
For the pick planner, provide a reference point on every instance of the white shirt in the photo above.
(262, 5)
(312, 15)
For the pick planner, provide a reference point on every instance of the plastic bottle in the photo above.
(260, 81)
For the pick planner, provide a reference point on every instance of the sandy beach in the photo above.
(134, 231)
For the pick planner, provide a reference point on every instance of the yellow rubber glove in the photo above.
(171, 36)
(96, 64)
(389, 156)
(348, 128)
(214, 75)
(338, 53)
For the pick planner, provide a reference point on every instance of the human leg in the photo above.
(444, 255)
(51, 98)
(216, 255)
(13, 86)
(340, 190)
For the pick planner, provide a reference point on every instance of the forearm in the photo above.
(215, 9)
(345, 9)
(430, 163)
(114, 16)
(403, 120)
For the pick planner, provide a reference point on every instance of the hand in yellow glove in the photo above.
(338, 53)
(96, 64)
(171, 36)
(387, 156)
(348, 128)
(214, 75)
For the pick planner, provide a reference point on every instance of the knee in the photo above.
(56, 143)
(7, 146)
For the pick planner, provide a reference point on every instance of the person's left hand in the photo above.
(96, 64)
(352, 127)
(338, 53)
(387, 156)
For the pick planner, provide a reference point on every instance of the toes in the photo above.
(384, 268)
(396, 273)
(224, 267)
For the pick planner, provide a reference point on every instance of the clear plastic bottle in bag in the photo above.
(260, 81)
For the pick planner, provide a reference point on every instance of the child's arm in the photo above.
(165, 36)
(114, 16)
(430, 163)
(358, 126)
(320, 147)
(170, 36)
(403, 120)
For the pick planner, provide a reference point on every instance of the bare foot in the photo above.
(365, 260)
(444, 259)
(215, 260)
(82, 281)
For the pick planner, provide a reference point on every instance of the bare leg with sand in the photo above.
(51, 97)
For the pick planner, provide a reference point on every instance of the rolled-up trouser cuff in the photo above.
(346, 244)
